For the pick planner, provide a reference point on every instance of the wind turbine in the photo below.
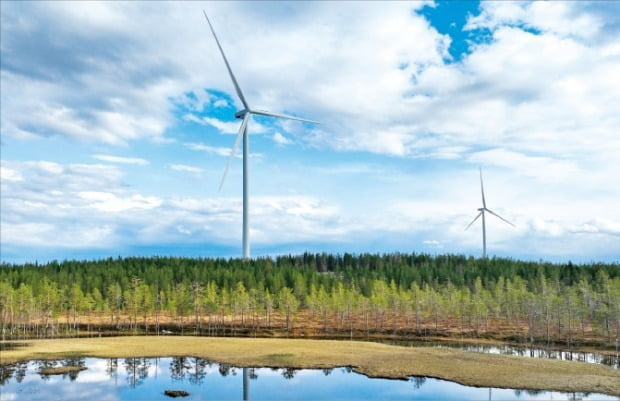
(482, 210)
(244, 115)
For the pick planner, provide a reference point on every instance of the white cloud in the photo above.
(522, 91)
(185, 168)
(87, 236)
(8, 174)
(63, 205)
(549, 17)
(220, 151)
(109, 202)
(536, 105)
(121, 160)
(433, 243)
(226, 127)
(73, 212)
(543, 168)
(281, 140)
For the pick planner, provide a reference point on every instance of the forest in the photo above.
(398, 296)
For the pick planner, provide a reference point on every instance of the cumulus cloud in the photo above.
(225, 127)
(64, 206)
(109, 202)
(548, 17)
(9, 174)
(121, 160)
(220, 151)
(72, 211)
(403, 100)
(537, 102)
(543, 168)
(185, 168)
(281, 140)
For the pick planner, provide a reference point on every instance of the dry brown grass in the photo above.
(372, 359)
(312, 324)
(61, 370)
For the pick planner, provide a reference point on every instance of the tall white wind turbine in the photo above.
(482, 210)
(244, 115)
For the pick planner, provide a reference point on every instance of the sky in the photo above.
(117, 119)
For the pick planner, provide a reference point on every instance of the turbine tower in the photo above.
(244, 115)
(482, 210)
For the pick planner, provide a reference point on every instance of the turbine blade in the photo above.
(270, 114)
(484, 203)
(473, 221)
(232, 76)
(497, 215)
(242, 129)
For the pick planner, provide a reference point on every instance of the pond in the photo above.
(149, 378)
(530, 352)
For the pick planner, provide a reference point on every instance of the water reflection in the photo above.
(148, 378)
(531, 352)
(418, 381)
(137, 370)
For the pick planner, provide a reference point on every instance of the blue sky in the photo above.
(117, 120)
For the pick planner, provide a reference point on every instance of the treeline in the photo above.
(397, 294)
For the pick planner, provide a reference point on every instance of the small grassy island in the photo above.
(371, 359)
(176, 393)
(61, 370)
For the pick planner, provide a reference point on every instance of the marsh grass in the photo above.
(61, 370)
(370, 359)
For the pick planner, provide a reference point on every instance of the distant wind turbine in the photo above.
(243, 132)
(482, 210)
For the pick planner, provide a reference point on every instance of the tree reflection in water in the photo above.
(17, 370)
(225, 370)
(111, 368)
(289, 373)
(70, 363)
(179, 367)
(418, 381)
(6, 372)
(73, 363)
(137, 370)
(43, 364)
(20, 371)
(194, 371)
(199, 370)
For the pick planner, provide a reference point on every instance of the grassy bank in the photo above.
(372, 359)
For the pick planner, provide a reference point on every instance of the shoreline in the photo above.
(368, 358)
(388, 339)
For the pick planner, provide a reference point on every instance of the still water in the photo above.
(529, 352)
(148, 378)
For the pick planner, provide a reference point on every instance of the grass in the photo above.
(61, 370)
(371, 359)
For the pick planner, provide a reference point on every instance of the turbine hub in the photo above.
(481, 209)
(241, 113)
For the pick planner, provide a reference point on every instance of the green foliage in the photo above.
(419, 286)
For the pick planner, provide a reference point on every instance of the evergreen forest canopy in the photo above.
(402, 294)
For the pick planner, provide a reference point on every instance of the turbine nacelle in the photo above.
(241, 113)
